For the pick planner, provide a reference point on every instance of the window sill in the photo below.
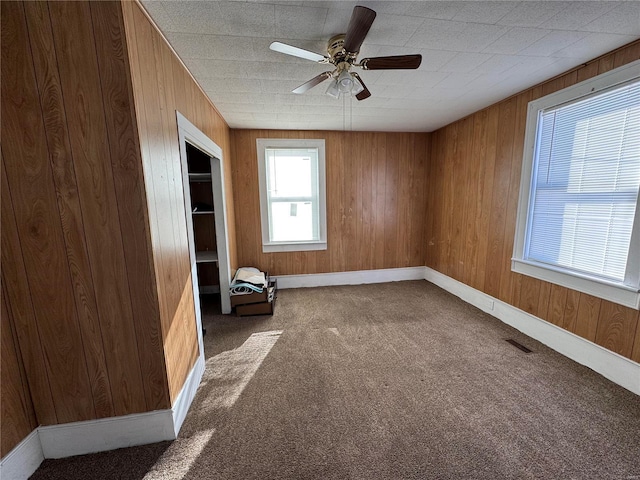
(611, 291)
(293, 247)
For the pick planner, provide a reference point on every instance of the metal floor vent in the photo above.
(518, 345)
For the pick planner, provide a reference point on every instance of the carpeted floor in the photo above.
(389, 381)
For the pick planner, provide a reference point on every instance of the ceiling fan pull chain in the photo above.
(344, 113)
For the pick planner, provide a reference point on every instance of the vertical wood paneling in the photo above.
(54, 115)
(16, 413)
(77, 268)
(391, 194)
(34, 200)
(616, 328)
(557, 302)
(501, 184)
(486, 193)
(489, 175)
(81, 87)
(150, 103)
(471, 227)
(161, 85)
(379, 155)
(113, 64)
(507, 281)
(588, 315)
(18, 295)
(635, 354)
(375, 202)
(570, 320)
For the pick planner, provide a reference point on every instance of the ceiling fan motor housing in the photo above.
(335, 48)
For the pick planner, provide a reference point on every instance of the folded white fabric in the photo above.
(244, 289)
(248, 278)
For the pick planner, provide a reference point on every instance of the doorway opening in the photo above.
(205, 210)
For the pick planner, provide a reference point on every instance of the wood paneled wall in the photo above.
(161, 86)
(17, 417)
(473, 187)
(95, 265)
(76, 256)
(375, 202)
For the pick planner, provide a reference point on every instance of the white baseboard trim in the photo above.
(79, 438)
(350, 278)
(187, 394)
(618, 369)
(23, 460)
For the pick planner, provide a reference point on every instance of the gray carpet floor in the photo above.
(389, 381)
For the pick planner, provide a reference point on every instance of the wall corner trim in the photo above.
(358, 277)
(186, 395)
(618, 369)
(92, 436)
(24, 459)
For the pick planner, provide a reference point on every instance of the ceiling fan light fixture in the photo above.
(333, 89)
(345, 81)
(357, 86)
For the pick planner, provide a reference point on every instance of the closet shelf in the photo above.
(206, 257)
(200, 177)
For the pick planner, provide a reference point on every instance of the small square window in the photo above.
(292, 194)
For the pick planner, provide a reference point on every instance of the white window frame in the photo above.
(623, 294)
(267, 245)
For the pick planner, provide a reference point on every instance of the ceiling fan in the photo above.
(342, 52)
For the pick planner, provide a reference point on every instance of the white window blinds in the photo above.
(585, 184)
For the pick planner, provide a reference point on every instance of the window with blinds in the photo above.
(583, 180)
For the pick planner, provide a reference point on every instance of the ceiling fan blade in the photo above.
(359, 25)
(364, 93)
(297, 52)
(312, 83)
(397, 62)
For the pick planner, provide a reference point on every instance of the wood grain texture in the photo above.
(635, 354)
(375, 202)
(41, 237)
(54, 115)
(82, 90)
(17, 416)
(18, 295)
(117, 92)
(616, 328)
(489, 174)
(161, 85)
(501, 184)
(588, 315)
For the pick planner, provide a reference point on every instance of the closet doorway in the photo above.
(205, 210)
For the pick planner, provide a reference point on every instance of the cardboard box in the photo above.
(254, 297)
(264, 308)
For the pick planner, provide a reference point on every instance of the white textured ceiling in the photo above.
(474, 53)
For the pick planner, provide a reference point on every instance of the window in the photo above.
(578, 219)
(292, 194)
